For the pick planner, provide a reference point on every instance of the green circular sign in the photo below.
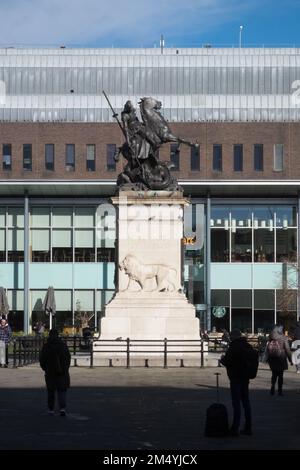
(219, 312)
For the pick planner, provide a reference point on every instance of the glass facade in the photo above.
(66, 234)
(254, 310)
(255, 235)
(194, 257)
(59, 235)
(259, 234)
(252, 258)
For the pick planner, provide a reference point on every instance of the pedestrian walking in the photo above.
(296, 337)
(241, 362)
(276, 355)
(5, 337)
(55, 361)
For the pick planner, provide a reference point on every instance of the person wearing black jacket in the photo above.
(237, 361)
(296, 337)
(55, 361)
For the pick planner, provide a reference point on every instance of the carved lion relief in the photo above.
(164, 276)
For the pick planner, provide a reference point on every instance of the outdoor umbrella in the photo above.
(4, 307)
(49, 306)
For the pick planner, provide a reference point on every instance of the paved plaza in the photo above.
(141, 408)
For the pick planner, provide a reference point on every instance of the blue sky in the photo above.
(122, 23)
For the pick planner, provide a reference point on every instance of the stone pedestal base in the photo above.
(150, 316)
(147, 318)
(149, 305)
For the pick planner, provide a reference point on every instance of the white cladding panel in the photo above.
(198, 84)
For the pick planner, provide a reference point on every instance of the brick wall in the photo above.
(207, 134)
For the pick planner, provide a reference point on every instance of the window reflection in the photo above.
(220, 245)
(263, 246)
(241, 246)
(219, 216)
(105, 255)
(62, 255)
(253, 231)
(286, 245)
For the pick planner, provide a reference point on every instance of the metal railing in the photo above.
(26, 349)
(127, 349)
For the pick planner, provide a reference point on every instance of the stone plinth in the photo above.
(146, 315)
(149, 302)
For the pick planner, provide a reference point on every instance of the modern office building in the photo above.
(58, 140)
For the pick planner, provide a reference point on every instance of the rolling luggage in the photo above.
(216, 424)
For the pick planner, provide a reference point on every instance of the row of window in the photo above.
(238, 157)
(253, 310)
(217, 163)
(258, 157)
(69, 305)
(59, 234)
(258, 246)
(69, 157)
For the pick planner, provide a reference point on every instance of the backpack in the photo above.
(251, 363)
(273, 348)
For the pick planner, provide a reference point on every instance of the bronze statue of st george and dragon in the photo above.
(143, 138)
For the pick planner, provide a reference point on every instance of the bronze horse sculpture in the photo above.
(143, 140)
(156, 123)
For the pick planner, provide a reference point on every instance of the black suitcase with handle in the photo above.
(216, 424)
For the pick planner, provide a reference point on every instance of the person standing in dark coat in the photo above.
(5, 338)
(236, 360)
(296, 337)
(297, 330)
(276, 354)
(55, 361)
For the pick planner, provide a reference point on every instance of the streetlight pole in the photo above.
(241, 30)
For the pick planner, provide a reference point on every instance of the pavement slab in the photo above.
(114, 408)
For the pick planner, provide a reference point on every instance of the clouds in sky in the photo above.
(112, 22)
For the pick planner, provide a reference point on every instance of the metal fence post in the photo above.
(128, 353)
(91, 353)
(202, 353)
(19, 355)
(165, 353)
(74, 344)
(15, 354)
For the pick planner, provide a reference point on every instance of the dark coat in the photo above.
(279, 363)
(55, 360)
(235, 359)
(297, 331)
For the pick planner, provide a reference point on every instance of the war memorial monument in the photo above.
(149, 303)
